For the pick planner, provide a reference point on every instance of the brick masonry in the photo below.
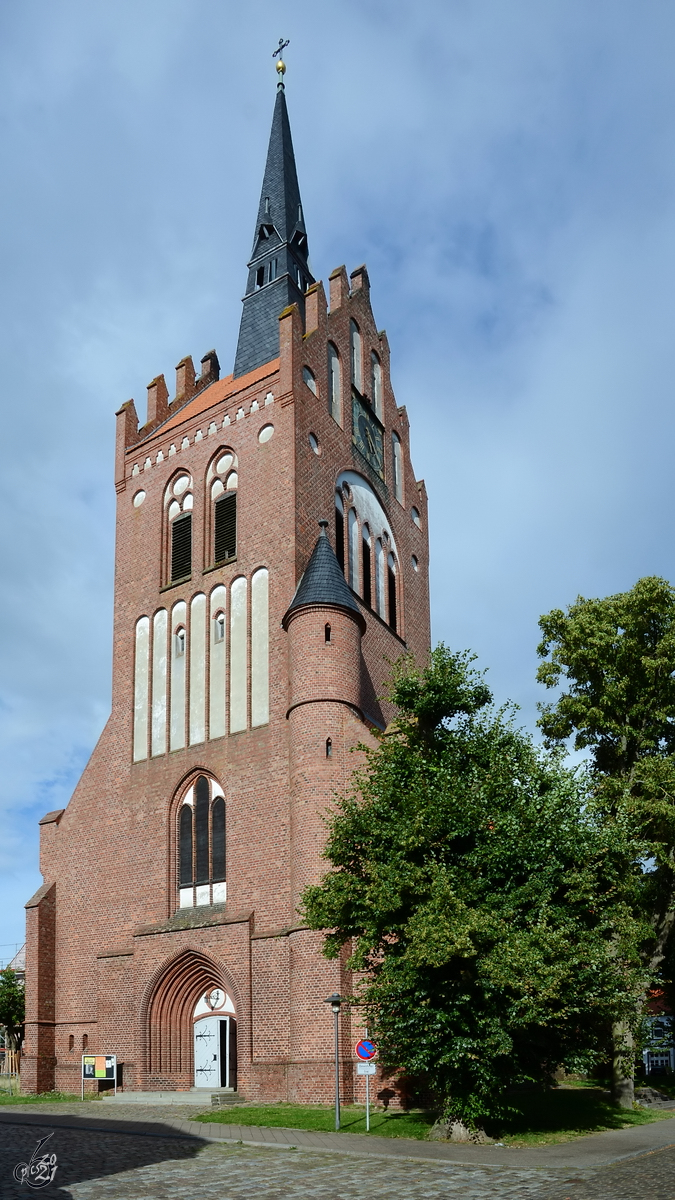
(111, 958)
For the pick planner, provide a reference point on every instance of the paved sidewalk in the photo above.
(117, 1154)
(585, 1153)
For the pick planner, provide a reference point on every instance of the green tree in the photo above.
(12, 1008)
(615, 661)
(479, 899)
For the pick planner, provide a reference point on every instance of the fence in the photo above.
(9, 1071)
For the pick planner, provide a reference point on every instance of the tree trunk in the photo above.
(623, 1065)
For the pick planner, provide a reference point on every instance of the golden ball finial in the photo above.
(281, 67)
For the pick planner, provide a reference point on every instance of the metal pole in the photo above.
(337, 1069)
(367, 1103)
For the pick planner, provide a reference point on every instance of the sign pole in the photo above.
(367, 1097)
(336, 1013)
(82, 1074)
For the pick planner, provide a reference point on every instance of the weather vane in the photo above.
(281, 65)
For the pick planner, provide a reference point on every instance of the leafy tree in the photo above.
(12, 1008)
(615, 659)
(479, 900)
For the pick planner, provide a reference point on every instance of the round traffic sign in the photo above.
(365, 1049)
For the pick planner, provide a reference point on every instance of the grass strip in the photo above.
(538, 1118)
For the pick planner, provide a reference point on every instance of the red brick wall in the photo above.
(109, 956)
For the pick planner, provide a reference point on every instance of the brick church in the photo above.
(271, 562)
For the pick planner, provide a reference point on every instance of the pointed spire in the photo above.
(279, 272)
(323, 583)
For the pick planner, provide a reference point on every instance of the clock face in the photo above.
(367, 435)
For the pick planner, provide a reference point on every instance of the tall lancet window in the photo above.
(397, 466)
(339, 530)
(376, 384)
(223, 480)
(355, 350)
(201, 845)
(178, 503)
(334, 386)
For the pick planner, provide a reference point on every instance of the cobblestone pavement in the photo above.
(97, 1165)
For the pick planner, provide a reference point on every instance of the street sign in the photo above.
(365, 1049)
(365, 1068)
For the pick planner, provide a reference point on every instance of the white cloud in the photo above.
(506, 172)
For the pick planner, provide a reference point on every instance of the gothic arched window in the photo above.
(334, 387)
(223, 480)
(355, 354)
(376, 384)
(178, 503)
(201, 845)
(397, 466)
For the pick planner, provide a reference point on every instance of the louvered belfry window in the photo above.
(181, 547)
(225, 527)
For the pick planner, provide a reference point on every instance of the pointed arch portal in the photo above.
(171, 1010)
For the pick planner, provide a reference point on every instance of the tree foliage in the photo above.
(12, 1007)
(615, 659)
(481, 902)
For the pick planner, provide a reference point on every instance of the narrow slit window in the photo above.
(219, 627)
(71, 1041)
(329, 747)
(260, 277)
(225, 522)
(326, 633)
(85, 1040)
(179, 643)
(181, 547)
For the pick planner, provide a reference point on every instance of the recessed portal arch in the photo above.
(169, 1013)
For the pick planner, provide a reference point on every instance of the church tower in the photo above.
(271, 562)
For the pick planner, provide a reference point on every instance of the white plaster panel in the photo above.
(219, 893)
(203, 894)
(198, 669)
(159, 656)
(217, 726)
(141, 681)
(186, 898)
(238, 655)
(177, 723)
(260, 648)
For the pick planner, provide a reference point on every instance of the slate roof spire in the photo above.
(278, 272)
(323, 583)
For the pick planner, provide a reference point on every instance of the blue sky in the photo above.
(506, 171)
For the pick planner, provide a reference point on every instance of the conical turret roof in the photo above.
(323, 583)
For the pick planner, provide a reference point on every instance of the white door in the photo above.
(215, 1041)
(207, 1052)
